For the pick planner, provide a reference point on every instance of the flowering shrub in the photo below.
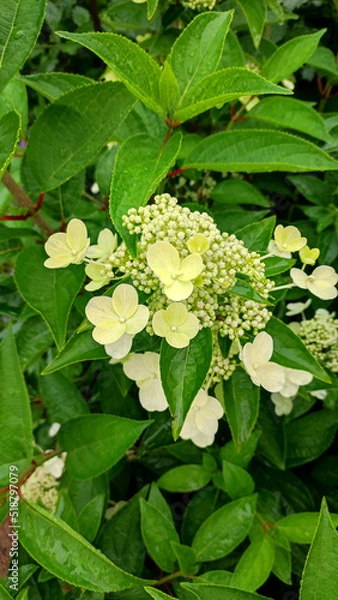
(169, 346)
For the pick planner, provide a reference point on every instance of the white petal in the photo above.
(299, 278)
(163, 258)
(99, 309)
(136, 368)
(76, 235)
(57, 244)
(262, 348)
(298, 376)
(121, 348)
(191, 267)
(108, 332)
(203, 440)
(271, 376)
(215, 407)
(206, 423)
(177, 339)
(152, 396)
(125, 300)
(189, 428)
(160, 325)
(322, 289)
(138, 321)
(178, 290)
(325, 272)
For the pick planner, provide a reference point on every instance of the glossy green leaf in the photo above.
(10, 126)
(235, 481)
(320, 575)
(94, 443)
(157, 594)
(138, 71)
(198, 50)
(141, 163)
(289, 350)
(50, 292)
(53, 85)
(241, 400)
(14, 97)
(72, 130)
(241, 455)
(243, 289)
(66, 511)
(324, 61)
(67, 555)
(258, 151)
(33, 339)
(255, 13)
(186, 478)
(15, 415)
(257, 236)
(182, 374)
(255, 565)
(186, 557)
(225, 529)
(62, 398)
(238, 191)
(219, 592)
(20, 24)
(274, 265)
(81, 346)
(4, 595)
(223, 86)
(90, 517)
(158, 532)
(290, 56)
(291, 114)
(301, 527)
(272, 442)
(151, 8)
(156, 499)
(169, 90)
(308, 437)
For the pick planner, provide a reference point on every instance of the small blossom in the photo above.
(289, 239)
(283, 404)
(201, 422)
(99, 276)
(54, 429)
(319, 394)
(55, 466)
(296, 308)
(174, 273)
(320, 283)
(176, 325)
(256, 359)
(199, 244)
(145, 370)
(308, 256)
(117, 319)
(107, 244)
(273, 249)
(294, 378)
(67, 248)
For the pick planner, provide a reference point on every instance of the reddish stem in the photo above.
(26, 215)
(174, 173)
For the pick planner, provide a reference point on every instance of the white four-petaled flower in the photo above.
(201, 422)
(145, 370)
(176, 325)
(294, 378)
(320, 283)
(117, 319)
(67, 248)
(106, 245)
(289, 239)
(256, 359)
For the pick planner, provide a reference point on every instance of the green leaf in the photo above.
(301, 527)
(312, 188)
(238, 191)
(138, 71)
(241, 399)
(10, 126)
(156, 499)
(235, 481)
(158, 532)
(320, 575)
(20, 23)
(223, 86)
(290, 56)
(33, 339)
(72, 130)
(67, 555)
(185, 556)
(62, 398)
(14, 97)
(289, 350)
(225, 529)
(4, 595)
(53, 85)
(241, 455)
(80, 347)
(220, 592)
(324, 61)
(66, 511)
(274, 265)
(157, 594)
(169, 90)
(50, 292)
(291, 114)
(141, 163)
(151, 8)
(258, 151)
(15, 415)
(182, 374)
(255, 565)
(90, 517)
(94, 443)
(308, 437)
(244, 290)
(257, 236)
(255, 13)
(272, 441)
(186, 478)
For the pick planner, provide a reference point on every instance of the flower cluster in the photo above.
(42, 485)
(200, 5)
(320, 335)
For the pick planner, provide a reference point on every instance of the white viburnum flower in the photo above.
(145, 370)
(319, 394)
(273, 249)
(99, 275)
(320, 283)
(176, 274)
(296, 308)
(117, 319)
(198, 244)
(55, 466)
(289, 239)
(67, 248)
(283, 404)
(201, 423)
(106, 245)
(176, 324)
(256, 359)
(294, 378)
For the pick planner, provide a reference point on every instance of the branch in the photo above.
(95, 15)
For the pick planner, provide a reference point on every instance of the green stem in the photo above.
(169, 578)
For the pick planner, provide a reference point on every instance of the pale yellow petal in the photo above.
(262, 348)
(202, 440)
(108, 332)
(160, 324)
(191, 267)
(57, 244)
(322, 289)
(152, 396)
(121, 348)
(176, 339)
(326, 273)
(76, 235)
(271, 376)
(100, 309)
(138, 320)
(179, 290)
(198, 244)
(135, 368)
(125, 300)
(176, 314)
(299, 278)
(163, 259)
(190, 327)
(58, 261)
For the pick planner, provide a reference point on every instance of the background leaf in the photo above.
(255, 13)
(241, 401)
(255, 565)
(9, 134)
(158, 532)
(53, 85)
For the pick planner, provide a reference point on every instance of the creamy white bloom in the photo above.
(54, 429)
(289, 239)
(117, 319)
(309, 256)
(296, 308)
(294, 378)
(176, 325)
(283, 404)
(99, 275)
(256, 359)
(106, 245)
(55, 466)
(201, 422)
(273, 249)
(145, 370)
(320, 283)
(175, 274)
(67, 248)
(319, 394)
